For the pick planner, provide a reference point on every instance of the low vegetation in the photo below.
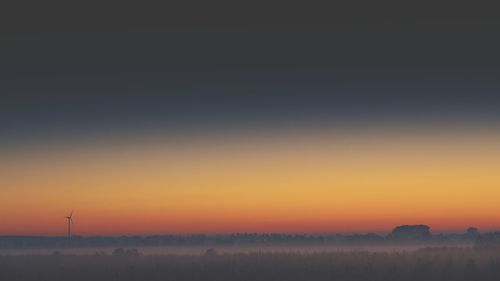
(445, 263)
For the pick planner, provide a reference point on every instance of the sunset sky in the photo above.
(352, 126)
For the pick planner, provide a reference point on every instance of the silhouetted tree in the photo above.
(211, 252)
(119, 252)
(472, 232)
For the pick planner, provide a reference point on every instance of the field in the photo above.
(439, 263)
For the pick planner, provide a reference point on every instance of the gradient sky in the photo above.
(352, 125)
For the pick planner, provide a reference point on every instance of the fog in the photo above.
(280, 263)
(233, 249)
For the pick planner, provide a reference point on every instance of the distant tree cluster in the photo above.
(120, 252)
(411, 232)
(400, 234)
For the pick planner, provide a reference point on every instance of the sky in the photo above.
(353, 125)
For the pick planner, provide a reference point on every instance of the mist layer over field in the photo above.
(183, 250)
(440, 263)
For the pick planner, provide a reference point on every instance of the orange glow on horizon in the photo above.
(336, 182)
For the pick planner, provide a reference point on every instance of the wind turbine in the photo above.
(70, 221)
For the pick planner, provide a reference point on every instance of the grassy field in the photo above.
(446, 263)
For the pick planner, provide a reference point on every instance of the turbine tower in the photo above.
(70, 221)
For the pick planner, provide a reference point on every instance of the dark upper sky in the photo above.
(83, 79)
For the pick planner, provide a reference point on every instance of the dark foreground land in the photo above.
(428, 264)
